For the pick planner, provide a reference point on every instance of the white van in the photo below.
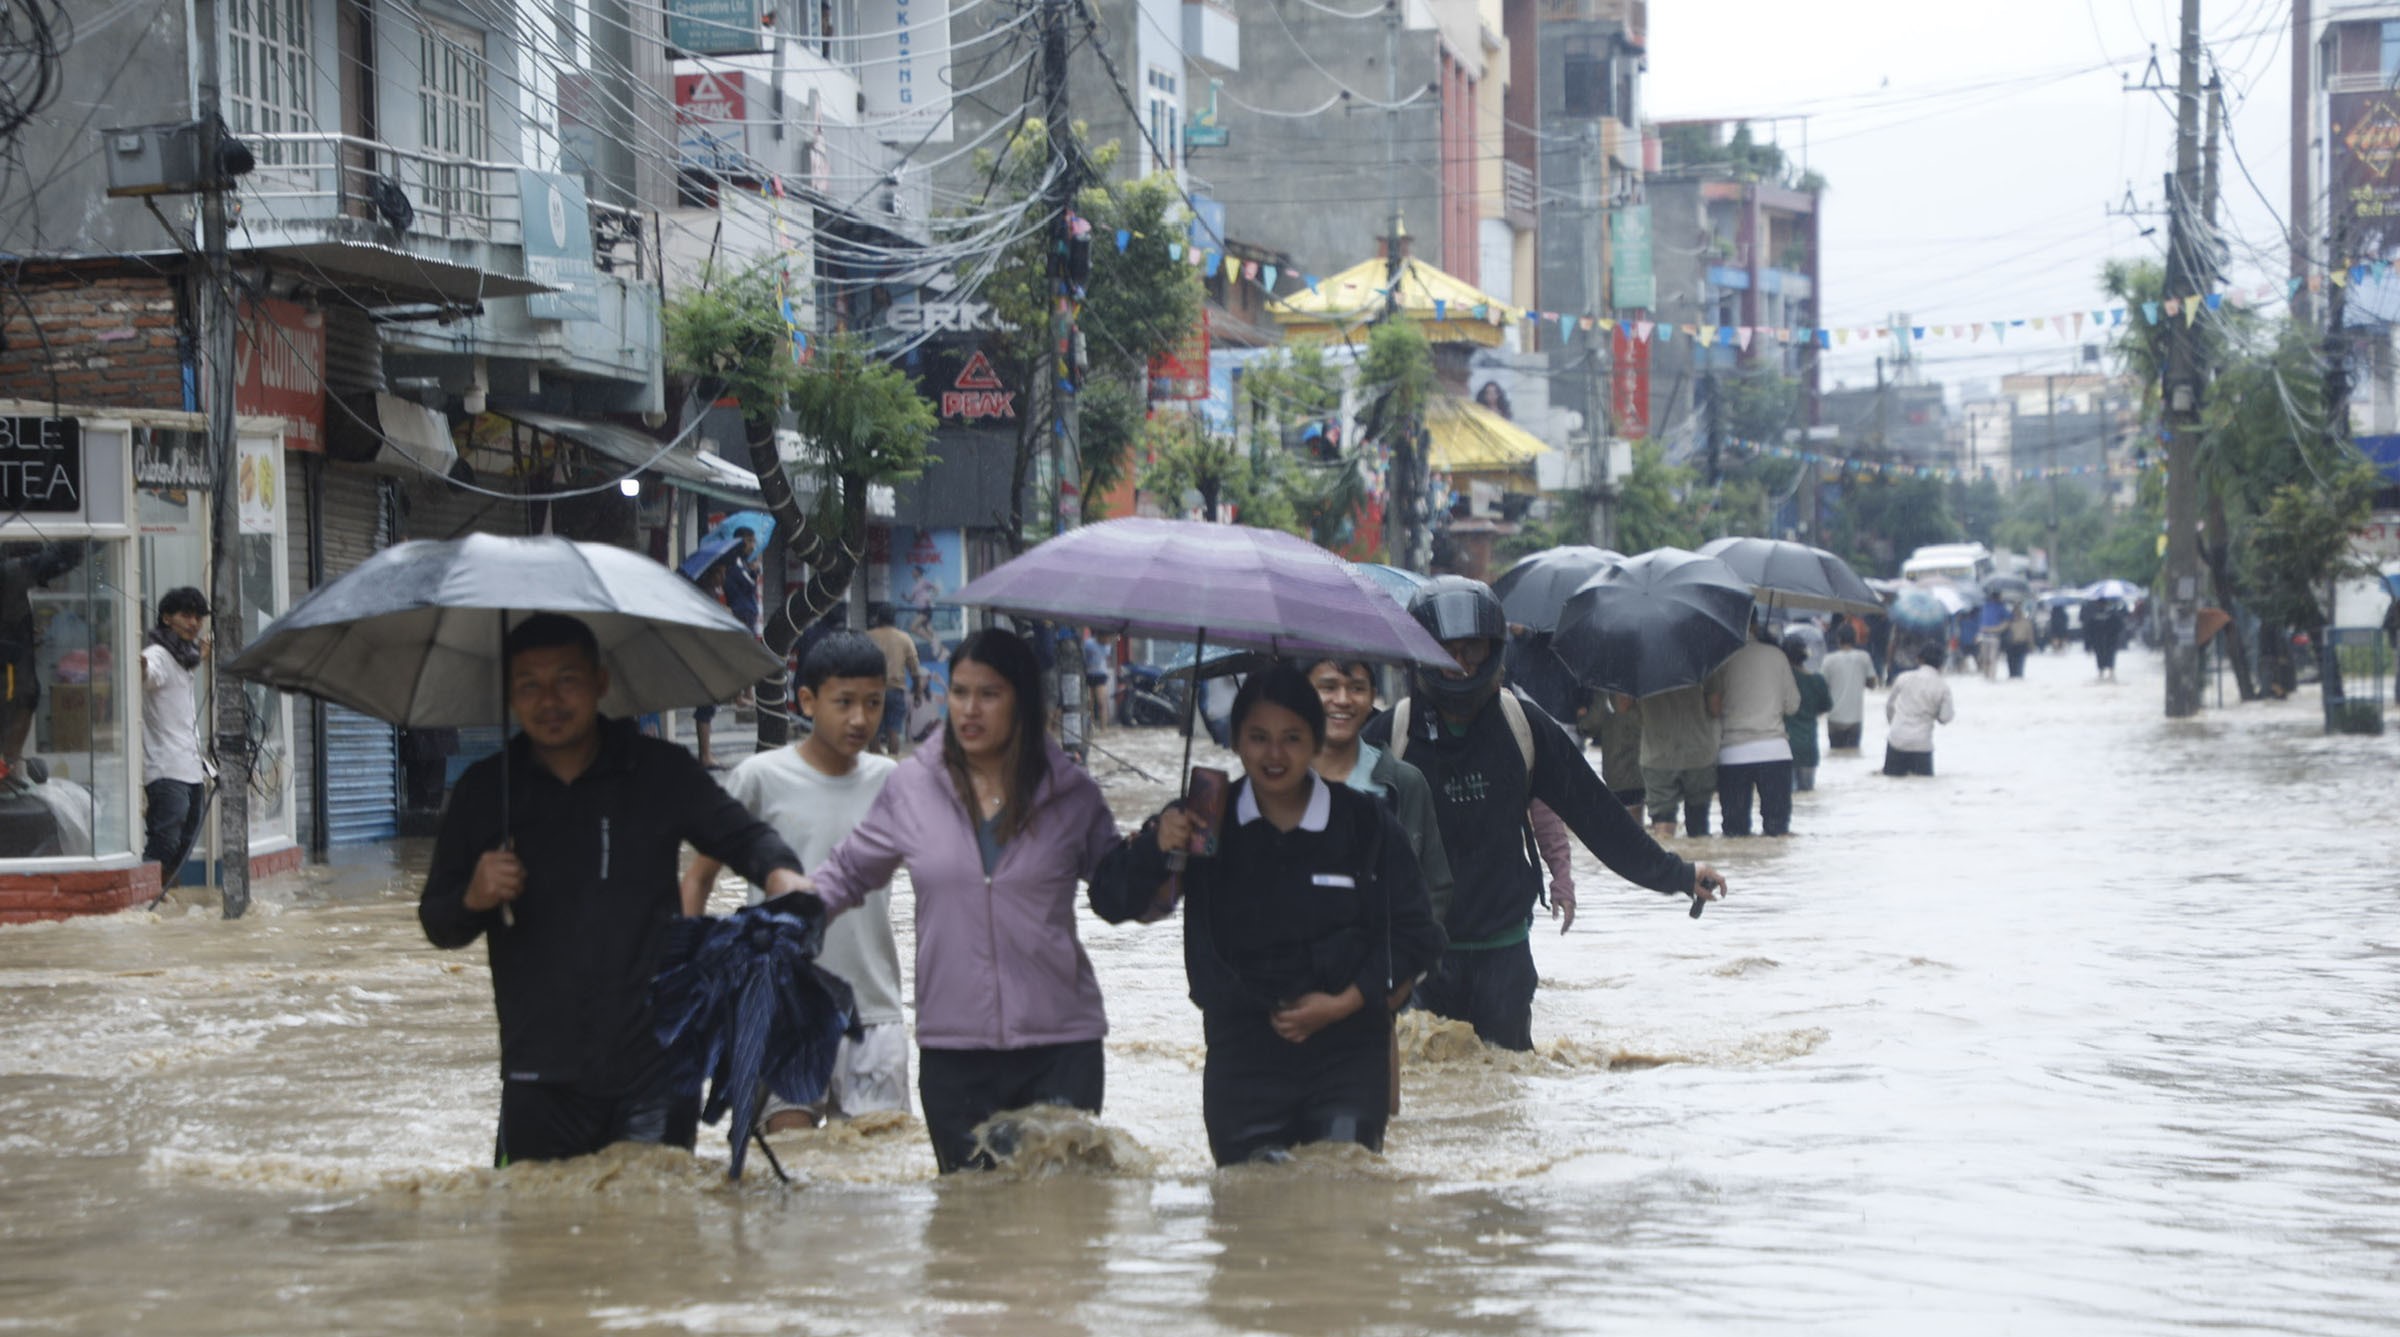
(1963, 562)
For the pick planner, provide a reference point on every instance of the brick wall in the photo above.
(112, 341)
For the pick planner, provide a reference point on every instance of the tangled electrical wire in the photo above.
(34, 35)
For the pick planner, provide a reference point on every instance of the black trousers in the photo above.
(1838, 736)
(171, 822)
(550, 1121)
(1490, 989)
(1772, 780)
(2016, 659)
(1261, 1093)
(961, 1088)
(1897, 761)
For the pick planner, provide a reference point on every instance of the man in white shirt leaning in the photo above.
(1920, 699)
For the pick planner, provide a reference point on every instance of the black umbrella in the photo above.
(741, 1004)
(1663, 620)
(1534, 590)
(1794, 575)
(1534, 668)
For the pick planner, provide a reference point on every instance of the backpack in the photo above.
(1512, 709)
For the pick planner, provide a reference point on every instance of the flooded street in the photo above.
(2093, 1032)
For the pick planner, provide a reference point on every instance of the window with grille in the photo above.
(452, 118)
(267, 76)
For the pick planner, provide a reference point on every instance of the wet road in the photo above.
(2094, 1032)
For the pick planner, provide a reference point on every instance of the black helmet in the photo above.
(1454, 608)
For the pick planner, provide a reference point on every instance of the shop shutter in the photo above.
(362, 754)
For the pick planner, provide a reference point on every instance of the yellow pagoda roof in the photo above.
(1450, 309)
(1469, 438)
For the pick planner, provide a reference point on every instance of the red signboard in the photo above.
(1182, 374)
(1629, 383)
(977, 392)
(279, 369)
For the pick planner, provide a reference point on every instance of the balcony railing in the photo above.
(315, 178)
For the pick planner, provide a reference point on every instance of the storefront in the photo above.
(101, 512)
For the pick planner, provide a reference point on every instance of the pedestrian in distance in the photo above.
(1801, 725)
(2104, 634)
(814, 793)
(1991, 628)
(903, 675)
(2061, 636)
(1754, 747)
(2016, 639)
(1488, 754)
(1849, 672)
(1679, 757)
(997, 826)
(570, 878)
(174, 778)
(1919, 699)
(1098, 662)
(1302, 934)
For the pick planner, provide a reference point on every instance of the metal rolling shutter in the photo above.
(362, 754)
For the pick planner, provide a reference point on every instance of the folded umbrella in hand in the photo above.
(742, 1005)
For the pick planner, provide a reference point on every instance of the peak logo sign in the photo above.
(976, 392)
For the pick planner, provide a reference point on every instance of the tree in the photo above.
(1399, 376)
(862, 423)
(1139, 303)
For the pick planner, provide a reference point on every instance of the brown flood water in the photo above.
(2094, 1032)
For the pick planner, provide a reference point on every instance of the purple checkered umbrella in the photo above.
(1229, 586)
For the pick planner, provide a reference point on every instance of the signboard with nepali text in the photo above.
(2363, 143)
(1629, 383)
(715, 27)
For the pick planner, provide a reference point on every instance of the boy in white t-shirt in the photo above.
(813, 793)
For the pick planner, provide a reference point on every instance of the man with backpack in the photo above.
(1488, 754)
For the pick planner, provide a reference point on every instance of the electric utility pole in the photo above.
(1065, 363)
(2186, 374)
(1595, 417)
(230, 703)
(1404, 495)
(2302, 201)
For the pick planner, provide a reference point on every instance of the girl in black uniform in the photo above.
(1300, 931)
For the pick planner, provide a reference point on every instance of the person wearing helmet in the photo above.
(1488, 754)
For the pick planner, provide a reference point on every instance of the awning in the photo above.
(1471, 439)
(680, 467)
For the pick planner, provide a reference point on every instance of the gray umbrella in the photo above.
(413, 635)
(1784, 574)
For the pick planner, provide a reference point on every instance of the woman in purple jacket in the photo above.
(996, 827)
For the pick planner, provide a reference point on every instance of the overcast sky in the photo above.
(1973, 148)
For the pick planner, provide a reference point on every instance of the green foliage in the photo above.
(1398, 369)
(1762, 407)
(1291, 385)
(1109, 424)
(729, 334)
(862, 417)
(1652, 511)
(1261, 492)
(2302, 541)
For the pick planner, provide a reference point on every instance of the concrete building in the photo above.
(1735, 226)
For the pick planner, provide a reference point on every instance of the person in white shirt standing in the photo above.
(813, 793)
(1849, 672)
(1919, 700)
(1754, 749)
(173, 779)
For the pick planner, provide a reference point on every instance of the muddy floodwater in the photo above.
(2098, 1031)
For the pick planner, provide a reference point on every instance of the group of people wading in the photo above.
(1365, 862)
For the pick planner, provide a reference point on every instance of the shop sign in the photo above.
(904, 69)
(712, 132)
(1181, 375)
(1629, 383)
(278, 353)
(977, 392)
(968, 317)
(715, 27)
(261, 483)
(41, 465)
(169, 458)
(557, 235)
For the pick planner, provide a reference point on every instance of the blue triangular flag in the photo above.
(1266, 275)
(1216, 261)
(1124, 239)
(1175, 251)
(2213, 301)
(1441, 308)
(2150, 312)
(1310, 280)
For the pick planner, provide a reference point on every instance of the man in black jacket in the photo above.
(574, 895)
(1462, 736)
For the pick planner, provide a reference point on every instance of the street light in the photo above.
(631, 487)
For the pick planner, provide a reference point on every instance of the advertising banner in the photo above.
(928, 566)
(1629, 384)
(260, 486)
(715, 27)
(278, 361)
(904, 69)
(1632, 286)
(558, 246)
(2363, 144)
(711, 130)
